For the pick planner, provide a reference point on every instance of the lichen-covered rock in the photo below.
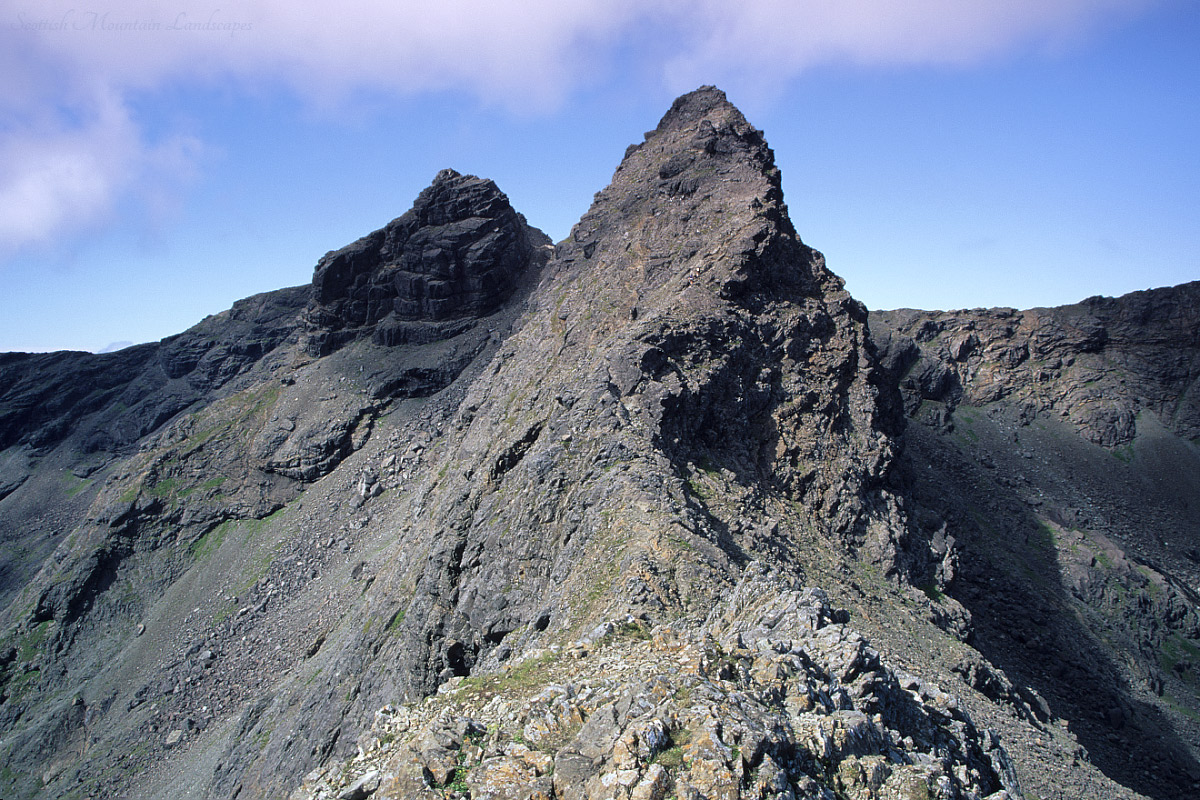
(727, 729)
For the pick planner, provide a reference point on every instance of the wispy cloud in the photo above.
(54, 174)
(70, 145)
(63, 171)
(774, 40)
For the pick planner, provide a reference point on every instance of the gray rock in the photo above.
(362, 788)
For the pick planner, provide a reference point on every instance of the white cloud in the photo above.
(64, 173)
(72, 148)
(515, 53)
(775, 39)
(54, 177)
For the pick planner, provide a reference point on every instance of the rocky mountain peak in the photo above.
(453, 197)
(698, 205)
(456, 255)
(638, 519)
(690, 108)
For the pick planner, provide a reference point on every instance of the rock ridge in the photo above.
(1098, 363)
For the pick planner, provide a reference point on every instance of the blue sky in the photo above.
(160, 160)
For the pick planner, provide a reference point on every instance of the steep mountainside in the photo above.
(1059, 448)
(636, 515)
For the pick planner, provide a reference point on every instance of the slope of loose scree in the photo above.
(152, 520)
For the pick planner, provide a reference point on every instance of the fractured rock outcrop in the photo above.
(1097, 363)
(457, 254)
(774, 696)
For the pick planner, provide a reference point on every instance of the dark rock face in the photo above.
(117, 472)
(1057, 447)
(1097, 364)
(744, 350)
(114, 399)
(457, 254)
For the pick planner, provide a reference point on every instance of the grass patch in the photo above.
(230, 416)
(258, 569)
(672, 758)
(31, 643)
(18, 686)
(1124, 453)
(210, 542)
(1047, 538)
(932, 591)
(966, 412)
(208, 485)
(702, 475)
(74, 484)
(164, 488)
(1176, 649)
(1152, 586)
(396, 621)
(626, 631)
(254, 526)
(12, 781)
(698, 489)
(529, 674)
(965, 418)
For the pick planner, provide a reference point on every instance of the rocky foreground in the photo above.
(772, 696)
(657, 511)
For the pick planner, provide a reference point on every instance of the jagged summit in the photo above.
(692, 241)
(697, 204)
(706, 102)
(457, 254)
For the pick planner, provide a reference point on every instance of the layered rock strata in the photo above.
(455, 256)
(1097, 364)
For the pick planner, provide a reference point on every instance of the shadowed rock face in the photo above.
(457, 254)
(1058, 447)
(1098, 363)
(111, 400)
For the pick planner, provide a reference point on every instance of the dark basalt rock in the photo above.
(456, 255)
(1097, 363)
(113, 399)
